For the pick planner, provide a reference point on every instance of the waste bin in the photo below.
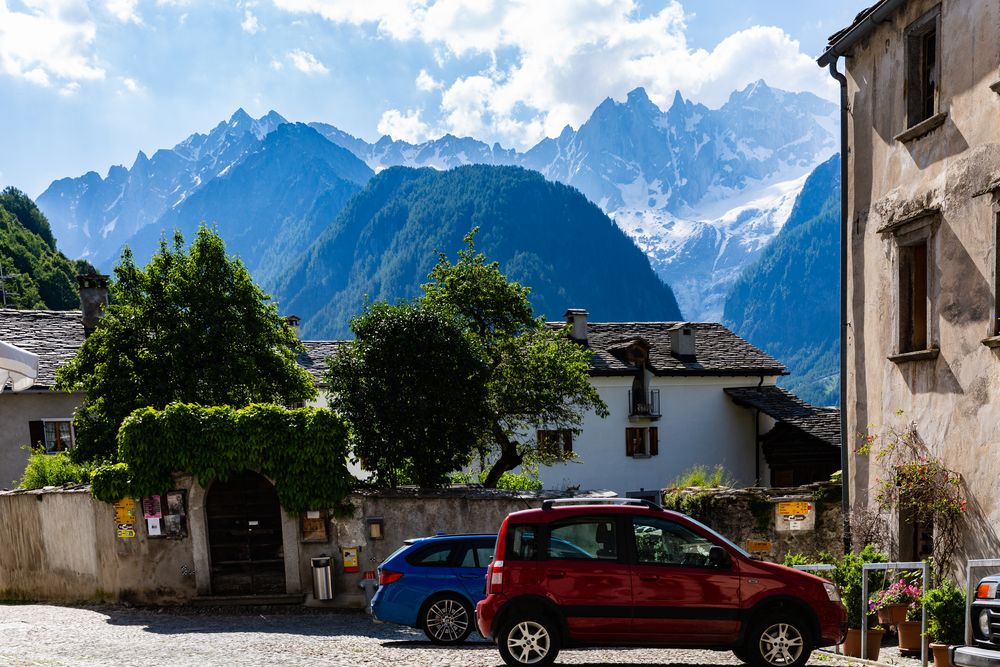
(368, 585)
(322, 578)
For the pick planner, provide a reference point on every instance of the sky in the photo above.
(86, 84)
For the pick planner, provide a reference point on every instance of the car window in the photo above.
(466, 555)
(664, 542)
(435, 555)
(583, 538)
(484, 551)
(522, 543)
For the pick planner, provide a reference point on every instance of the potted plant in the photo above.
(847, 575)
(945, 608)
(892, 603)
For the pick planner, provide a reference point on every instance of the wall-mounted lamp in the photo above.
(376, 528)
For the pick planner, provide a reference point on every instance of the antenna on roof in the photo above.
(3, 284)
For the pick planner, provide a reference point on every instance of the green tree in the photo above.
(190, 327)
(413, 389)
(537, 376)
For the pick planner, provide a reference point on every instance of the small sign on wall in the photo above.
(125, 518)
(351, 559)
(794, 515)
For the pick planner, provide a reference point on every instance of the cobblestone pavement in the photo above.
(88, 636)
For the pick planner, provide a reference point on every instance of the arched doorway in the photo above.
(244, 536)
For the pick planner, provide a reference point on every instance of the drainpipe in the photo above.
(845, 485)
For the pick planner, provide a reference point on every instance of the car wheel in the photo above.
(447, 620)
(779, 640)
(528, 640)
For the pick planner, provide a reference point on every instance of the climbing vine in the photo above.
(304, 451)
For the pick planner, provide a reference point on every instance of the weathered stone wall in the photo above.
(745, 515)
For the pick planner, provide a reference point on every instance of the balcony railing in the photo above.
(644, 404)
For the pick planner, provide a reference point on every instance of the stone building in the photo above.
(920, 83)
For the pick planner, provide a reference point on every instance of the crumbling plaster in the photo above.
(949, 399)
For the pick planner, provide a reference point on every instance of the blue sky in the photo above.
(85, 84)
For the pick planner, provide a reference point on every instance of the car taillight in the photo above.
(494, 577)
(386, 577)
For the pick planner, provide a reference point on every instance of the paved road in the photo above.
(110, 635)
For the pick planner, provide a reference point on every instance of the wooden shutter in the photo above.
(630, 438)
(36, 429)
(540, 437)
(654, 441)
(567, 441)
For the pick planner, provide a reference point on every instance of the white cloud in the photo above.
(407, 127)
(306, 62)
(426, 82)
(249, 23)
(123, 10)
(48, 42)
(131, 85)
(553, 61)
(70, 89)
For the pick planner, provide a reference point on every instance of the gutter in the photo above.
(845, 482)
(881, 12)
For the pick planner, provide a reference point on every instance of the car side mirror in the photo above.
(717, 557)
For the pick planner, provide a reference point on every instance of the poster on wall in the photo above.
(166, 519)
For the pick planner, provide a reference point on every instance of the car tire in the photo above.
(778, 640)
(447, 620)
(529, 640)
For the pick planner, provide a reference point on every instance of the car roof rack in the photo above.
(641, 502)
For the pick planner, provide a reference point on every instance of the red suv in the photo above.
(629, 573)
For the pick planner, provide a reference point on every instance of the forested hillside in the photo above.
(545, 235)
(45, 278)
(788, 303)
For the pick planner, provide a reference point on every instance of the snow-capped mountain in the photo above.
(92, 216)
(701, 190)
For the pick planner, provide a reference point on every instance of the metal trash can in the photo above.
(322, 578)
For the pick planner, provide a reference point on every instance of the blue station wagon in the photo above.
(434, 583)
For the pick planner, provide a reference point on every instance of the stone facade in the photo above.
(923, 203)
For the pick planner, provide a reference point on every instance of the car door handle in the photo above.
(556, 574)
(648, 577)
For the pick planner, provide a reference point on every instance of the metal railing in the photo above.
(912, 565)
(644, 404)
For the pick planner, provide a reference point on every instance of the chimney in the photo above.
(682, 341)
(93, 299)
(577, 318)
(293, 322)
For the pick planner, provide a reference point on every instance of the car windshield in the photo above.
(721, 537)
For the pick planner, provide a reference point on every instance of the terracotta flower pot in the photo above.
(942, 656)
(852, 644)
(909, 635)
(892, 614)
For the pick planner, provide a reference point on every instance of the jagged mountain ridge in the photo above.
(544, 234)
(700, 190)
(93, 216)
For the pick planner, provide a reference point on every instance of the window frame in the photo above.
(618, 541)
(918, 232)
(650, 442)
(915, 93)
(566, 434)
(44, 421)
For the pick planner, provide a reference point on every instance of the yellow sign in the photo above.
(125, 517)
(126, 533)
(795, 508)
(758, 546)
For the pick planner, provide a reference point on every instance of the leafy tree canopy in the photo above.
(538, 377)
(42, 277)
(414, 390)
(189, 327)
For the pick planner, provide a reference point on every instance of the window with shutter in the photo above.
(654, 441)
(36, 429)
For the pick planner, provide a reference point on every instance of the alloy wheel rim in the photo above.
(447, 620)
(781, 644)
(528, 642)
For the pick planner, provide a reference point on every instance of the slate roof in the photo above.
(718, 351)
(54, 335)
(783, 406)
(314, 358)
(842, 40)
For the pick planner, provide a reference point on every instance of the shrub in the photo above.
(699, 476)
(52, 470)
(945, 607)
(847, 575)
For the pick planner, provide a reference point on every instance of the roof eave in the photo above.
(881, 12)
